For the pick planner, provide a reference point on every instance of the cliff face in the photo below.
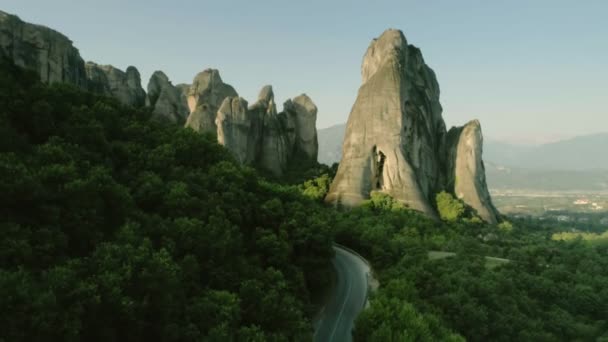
(42, 49)
(258, 135)
(466, 171)
(205, 96)
(239, 129)
(56, 60)
(168, 101)
(396, 140)
(110, 81)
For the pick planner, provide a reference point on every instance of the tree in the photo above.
(450, 209)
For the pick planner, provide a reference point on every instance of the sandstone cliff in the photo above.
(258, 135)
(205, 96)
(110, 81)
(466, 171)
(167, 101)
(396, 140)
(41, 49)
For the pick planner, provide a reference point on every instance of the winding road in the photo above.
(350, 293)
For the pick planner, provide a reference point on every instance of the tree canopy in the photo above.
(116, 227)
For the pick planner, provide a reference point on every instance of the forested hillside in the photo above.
(536, 285)
(115, 227)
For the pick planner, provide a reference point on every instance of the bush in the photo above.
(450, 209)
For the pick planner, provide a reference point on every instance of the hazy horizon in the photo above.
(528, 72)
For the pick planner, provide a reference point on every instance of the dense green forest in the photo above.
(549, 290)
(116, 227)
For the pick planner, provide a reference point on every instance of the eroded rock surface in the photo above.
(239, 129)
(41, 49)
(467, 172)
(301, 124)
(167, 100)
(110, 81)
(256, 135)
(395, 139)
(274, 149)
(205, 96)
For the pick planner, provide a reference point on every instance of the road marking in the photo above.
(350, 285)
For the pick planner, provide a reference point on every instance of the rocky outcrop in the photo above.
(167, 101)
(56, 60)
(466, 171)
(395, 139)
(301, 114)
(239, 129)
(256, 134)
(41, 49)
(205, 96)
(110, 81)
(274, 149)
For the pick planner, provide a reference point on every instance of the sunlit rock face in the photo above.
(39, 48)
(301, 123)
(205, 96)
(467, 177)
(239, 129)
(395, 139)
(256, 134)
(122, 85)
(167, 101)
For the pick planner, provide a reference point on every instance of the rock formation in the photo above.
(205, 96)
(56, 60)
(396, 140)
(41, 49)
(239, 130)
(258, 135)
(110, 81)
(301, 115)
(467, 176)
(166, 99)
(274, 149)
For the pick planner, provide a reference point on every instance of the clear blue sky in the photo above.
(528, 70)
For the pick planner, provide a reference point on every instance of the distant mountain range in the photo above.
(586, 152)
(579, 163)
(330, 143)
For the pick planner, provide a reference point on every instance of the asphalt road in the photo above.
(337, 320)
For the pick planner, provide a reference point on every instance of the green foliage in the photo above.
(505, 226)
(588, 237)
(380, 201)
(115, 227)
(391, 317)
(317, 188)
(532, 288)
(449, 208)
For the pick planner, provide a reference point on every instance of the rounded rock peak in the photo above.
(474, 123)
(266, 94)
(159, 77)
(390, 44)
(206, 79)
(231, 105)
(305, 101)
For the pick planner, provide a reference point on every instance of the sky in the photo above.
(531, 71)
